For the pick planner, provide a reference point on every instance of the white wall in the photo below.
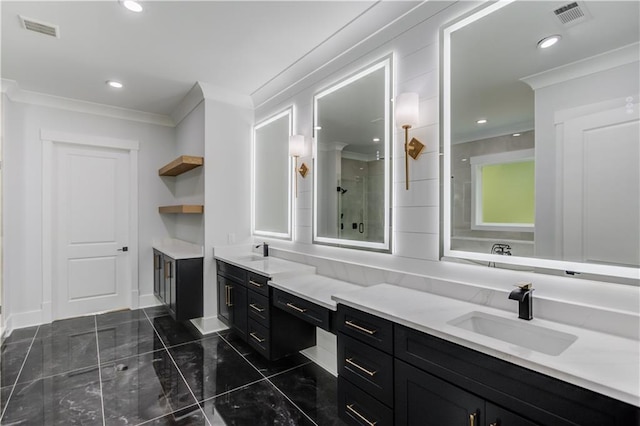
(22, 196)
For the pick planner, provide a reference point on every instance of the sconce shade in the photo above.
(406, 109)
(296, 146)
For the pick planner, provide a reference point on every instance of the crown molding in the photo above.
(16, 94)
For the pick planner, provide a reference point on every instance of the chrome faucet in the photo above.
(525, 300)
(265, 249)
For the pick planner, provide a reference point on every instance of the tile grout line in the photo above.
(267, 379)
(178, 368)
(104, 419)
(24, 361)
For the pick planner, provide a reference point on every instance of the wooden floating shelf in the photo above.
(183, 208)
(182, 164)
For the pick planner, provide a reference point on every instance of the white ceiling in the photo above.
(159, 54)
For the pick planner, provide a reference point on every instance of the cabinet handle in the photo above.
(360, 416)
(356, 326)
(166, 270)
(359, 367)
(229, 304)
(256, 307)
(494, 424)
(259, 340)
(472, 419)
(256, 283)
(292, 306)
(155, 261)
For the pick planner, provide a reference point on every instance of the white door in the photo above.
(91, 224)
(602, 188)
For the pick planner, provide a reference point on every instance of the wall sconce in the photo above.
(298, 148)
(406, 111)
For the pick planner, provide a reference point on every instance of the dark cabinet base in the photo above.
(178, 284)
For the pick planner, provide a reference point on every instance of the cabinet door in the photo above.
(424, 400)
(238, 309)
(223, 299)
(170, 284)
(157, 272)
(498, 416)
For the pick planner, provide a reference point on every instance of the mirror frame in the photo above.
(385, 246)
(282, 235)
(551, 264)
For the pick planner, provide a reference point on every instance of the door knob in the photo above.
(125, 248)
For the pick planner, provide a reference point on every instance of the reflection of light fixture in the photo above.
(549, 41)
(114, 84)
(516, 135)
(406, 108)
(133, 6)
(376, 139)
(482, 121)
(298, 148)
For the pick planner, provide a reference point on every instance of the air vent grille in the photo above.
(571, 13)
(40, 27)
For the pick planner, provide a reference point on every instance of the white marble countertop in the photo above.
(603, 363)
(178, 249)
(314, 288)
(268, 266)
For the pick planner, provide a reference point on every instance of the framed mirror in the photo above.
(272, 176)
(352, 130)
(540, 136)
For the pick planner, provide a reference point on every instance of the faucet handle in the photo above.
(524, 285)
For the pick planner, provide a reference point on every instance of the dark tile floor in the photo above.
(141, 367)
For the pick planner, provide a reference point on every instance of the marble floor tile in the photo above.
(175, 333)
(119, 317)
(60, 353)
(65, 399)
(189, 416)
(127, 339)
(72, 326)
(143, 388)
(20, 335)
(314, 390)
(210, 367)
(12, 356)
(237, 342)
(269, 368)
(259, 404)
(5, 392)
(156, 311)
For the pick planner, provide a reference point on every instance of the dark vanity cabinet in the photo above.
(178, 284)
(246, 303)
(437, 382)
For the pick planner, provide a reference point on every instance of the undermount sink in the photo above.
(516, 331)
(250, 258)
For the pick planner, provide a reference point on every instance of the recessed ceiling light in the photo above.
(376, 139)
(516, 134)
(464, 159)
(318, 128)
(549, 41)
(482, 121)
(132, 5)
(114, 84)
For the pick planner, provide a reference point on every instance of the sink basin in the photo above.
(517, 332)
(250, 258)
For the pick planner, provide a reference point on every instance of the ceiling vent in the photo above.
(40, 27)
(572, 14)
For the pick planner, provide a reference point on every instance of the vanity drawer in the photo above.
(258, 338)
(355, 407)
(258, 283)
(258, 308)
(232, 272)
(368, 368)
(375, 331)
(301, 308)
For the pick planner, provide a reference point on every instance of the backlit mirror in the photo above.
(541, 144)
(353, 169)
(272, 176)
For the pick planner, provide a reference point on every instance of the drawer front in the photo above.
(231, 271)
(258, 338)
(355, 407)
(368, 368)
(375, 331)
(258, 308)
(258, 283)
(301, 308)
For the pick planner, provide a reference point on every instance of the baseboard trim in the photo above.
(147, 301)
(26, 319)
(323, 358)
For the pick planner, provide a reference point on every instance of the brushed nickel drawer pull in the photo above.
(256, 283)
(292, 306)
(361, 368)
(358, 327)
(256, 307)
(259, 340)
(472, 419)
(360, 416)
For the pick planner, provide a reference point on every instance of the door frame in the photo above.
(49, 140)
